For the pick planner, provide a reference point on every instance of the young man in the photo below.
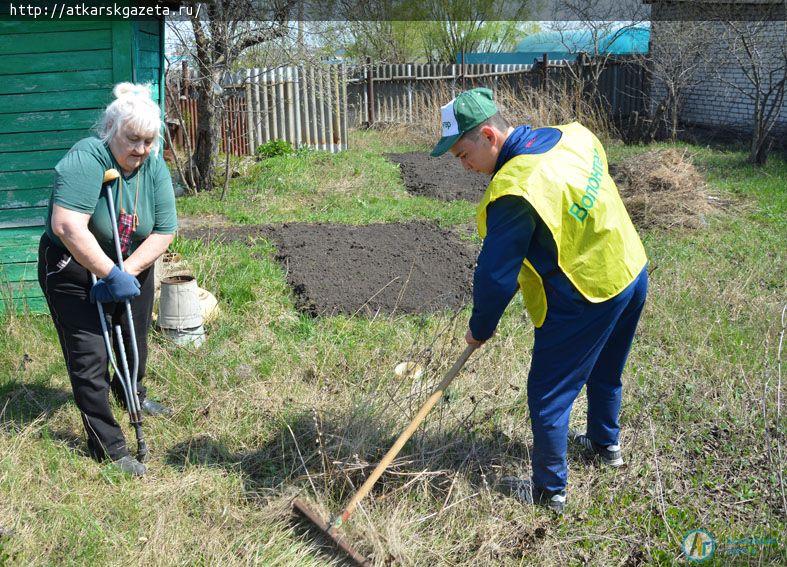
(554, 227)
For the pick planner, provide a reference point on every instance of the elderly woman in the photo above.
(79, 240)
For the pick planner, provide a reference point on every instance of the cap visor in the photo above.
(445, 144)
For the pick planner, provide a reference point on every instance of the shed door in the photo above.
(55, 79)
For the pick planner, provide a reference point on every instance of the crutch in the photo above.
(127, 380)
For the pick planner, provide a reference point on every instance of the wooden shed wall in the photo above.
(55, 79)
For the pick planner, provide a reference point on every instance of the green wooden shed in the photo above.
(56, 77)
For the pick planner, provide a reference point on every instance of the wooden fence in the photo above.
(314, 105)
(404, 93)
(306, 106)
(234, 132)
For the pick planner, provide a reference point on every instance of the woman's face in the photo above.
(131, 147)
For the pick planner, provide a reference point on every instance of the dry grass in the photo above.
(559, 105)
(663, 188)
(276, 404)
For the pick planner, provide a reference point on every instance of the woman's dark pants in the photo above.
(66, 286)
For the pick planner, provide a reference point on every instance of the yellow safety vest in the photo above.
(570, 188)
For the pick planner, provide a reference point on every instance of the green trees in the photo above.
(436, 31)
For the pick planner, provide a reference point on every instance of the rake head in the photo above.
(305, 512)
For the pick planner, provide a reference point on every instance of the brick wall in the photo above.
(712, 101)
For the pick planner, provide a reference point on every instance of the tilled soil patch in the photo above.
(441, 178)
(412, 267)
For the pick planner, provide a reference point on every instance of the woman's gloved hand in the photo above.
(117, 286)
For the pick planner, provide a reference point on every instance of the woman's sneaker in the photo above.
(523, 490)
(130, 466)
(610, 454)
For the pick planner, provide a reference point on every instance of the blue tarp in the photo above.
(512, 58)
(566, 46)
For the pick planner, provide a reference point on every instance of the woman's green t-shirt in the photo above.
(77, 187)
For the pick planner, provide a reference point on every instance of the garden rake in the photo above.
(330, 528)
(128, 380)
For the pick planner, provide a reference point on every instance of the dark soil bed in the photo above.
(381, 268)
(441, 178)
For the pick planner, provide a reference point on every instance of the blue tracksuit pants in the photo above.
(579, 344)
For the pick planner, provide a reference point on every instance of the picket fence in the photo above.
(306, 106)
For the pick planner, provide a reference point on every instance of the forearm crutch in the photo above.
(128, 380)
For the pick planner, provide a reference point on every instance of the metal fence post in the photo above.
(462, 68)
(345, 141)
(369, 92)
(249, 113)
(545, 71)
(314, 132)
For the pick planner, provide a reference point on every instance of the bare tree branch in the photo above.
(756, 49)
(222, 30)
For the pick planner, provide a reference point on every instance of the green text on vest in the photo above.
(580, 211)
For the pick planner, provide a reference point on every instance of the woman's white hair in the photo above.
(133, 105)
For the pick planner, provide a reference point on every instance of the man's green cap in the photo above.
(464, 113)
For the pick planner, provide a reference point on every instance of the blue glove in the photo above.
(117, 286)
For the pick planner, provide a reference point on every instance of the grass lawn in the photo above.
(277, 404)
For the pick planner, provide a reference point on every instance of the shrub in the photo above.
(274, 148)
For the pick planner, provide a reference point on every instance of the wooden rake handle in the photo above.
(402, 439)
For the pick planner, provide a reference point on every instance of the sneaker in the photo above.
(610, 454)
(523, 490)
(130, 465)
